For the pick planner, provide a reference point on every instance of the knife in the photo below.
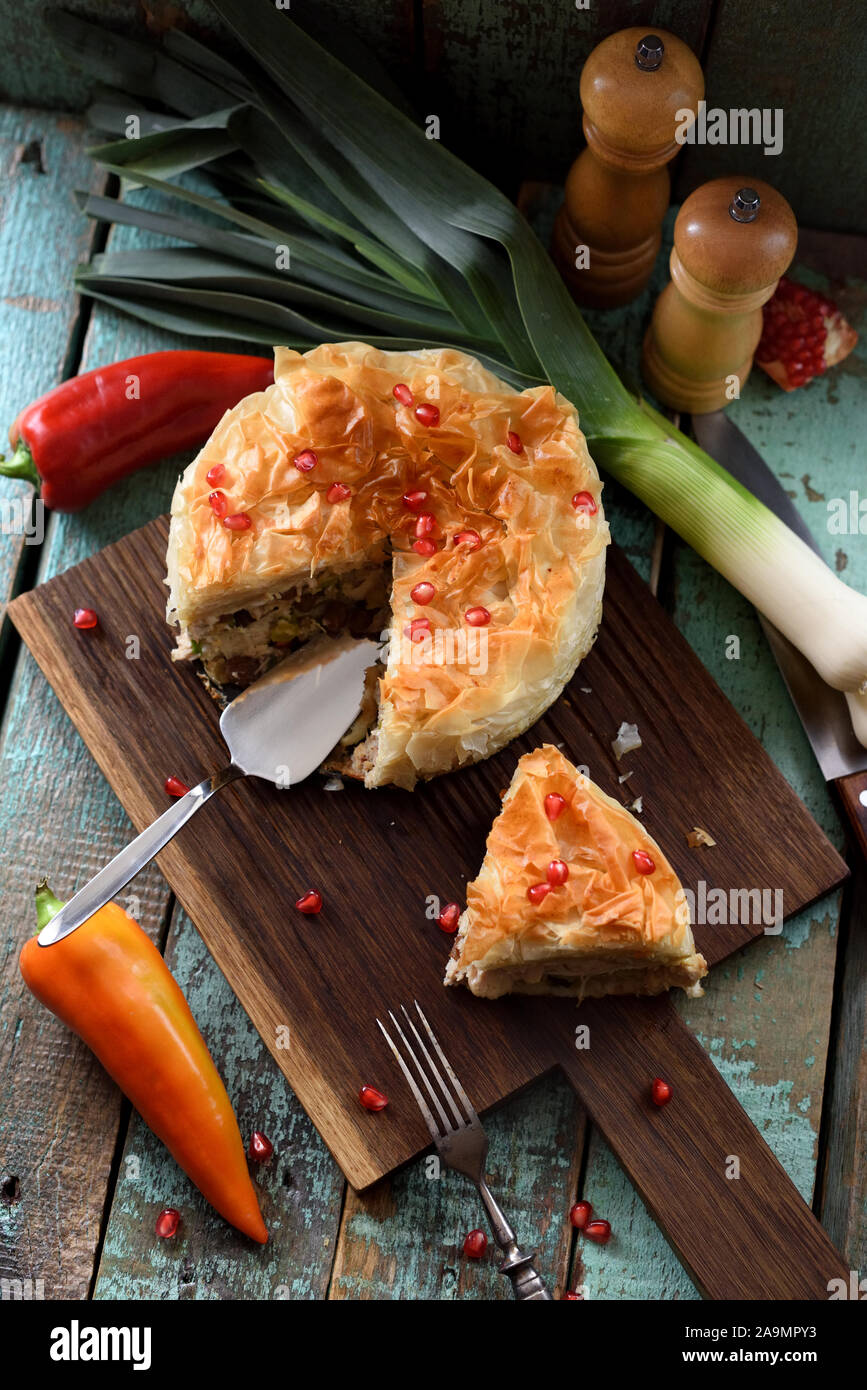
(826, 714)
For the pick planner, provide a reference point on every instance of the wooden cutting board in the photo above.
(314, 986)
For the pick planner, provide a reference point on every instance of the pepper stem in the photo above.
(47, 905)
(20, 465)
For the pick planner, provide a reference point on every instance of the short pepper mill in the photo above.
(732, 242)
(635, 90)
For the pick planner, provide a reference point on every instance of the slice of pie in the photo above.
(573, 897)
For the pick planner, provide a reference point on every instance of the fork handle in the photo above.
(527, 1283)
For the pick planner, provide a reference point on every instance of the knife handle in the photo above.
(852, 791)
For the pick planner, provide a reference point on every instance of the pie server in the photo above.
(280, 728)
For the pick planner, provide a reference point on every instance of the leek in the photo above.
(389, 230)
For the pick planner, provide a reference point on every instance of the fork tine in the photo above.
(447, 1064)
(420, 1100)
(446, 1126)
(460, 1119)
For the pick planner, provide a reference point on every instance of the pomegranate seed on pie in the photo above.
(216, 474)
(471, 539)
(424, 547)
(584, 502)
(338, 492)
(417, 630)
(660, 1091)
(537, 891)
(426, 525)
(402, 393)
(306, 461)
(557, 873)
(261, 1147)
(219, 503)
(310, 902)
(414, 501)
(475, 1244)
(427, 414)
(477, 617)
(449, 917)
(167, 1223)
(372, 1099)
(239, 522)
(643, 862)
(554, 804)
(423, 592)
(84, 618)
(514, 442)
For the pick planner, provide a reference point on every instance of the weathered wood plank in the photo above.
(41, 239)
(404, 1237)
(300, 1186)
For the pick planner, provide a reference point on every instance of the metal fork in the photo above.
(462, 1144)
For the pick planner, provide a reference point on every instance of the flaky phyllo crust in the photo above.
(539, 570)
(608, 930)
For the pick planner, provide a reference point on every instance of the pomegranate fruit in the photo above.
(803, 334)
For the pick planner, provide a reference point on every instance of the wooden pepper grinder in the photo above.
(732, 242)
(608, 231)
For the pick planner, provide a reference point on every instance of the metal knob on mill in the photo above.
(733, 239)
(635, 89)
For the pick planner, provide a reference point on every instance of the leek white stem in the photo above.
(750, 546)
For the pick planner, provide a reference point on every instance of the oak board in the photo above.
(318, 984)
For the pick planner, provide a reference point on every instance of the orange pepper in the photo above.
(110, 985)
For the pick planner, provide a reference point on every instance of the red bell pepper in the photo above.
(93, 429)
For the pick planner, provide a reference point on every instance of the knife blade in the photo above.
(823, 711)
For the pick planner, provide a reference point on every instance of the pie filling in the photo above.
(582, 977)
(237, 648)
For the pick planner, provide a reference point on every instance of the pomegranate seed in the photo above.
(423, 592)
(475, 1244)
(310, 902)
(554, 804)
(168, 1222)
(514, 442)
(448, 918)
(239, 522)
(570, 1296)
(424, 547)
(219, 503)
(598, 1231)
(580, 1214)
(372, 1099)
(261, 1147)
(643, 862)
(557, 873)
(584, 502)
(428, 415)
(306, 461)
(471, 539)
(414, 500)
(402, 393)
(417, 630)
(84, 618)
(216, 474)
(537, 892)
(477, 617)
(338, 492)
(173, 786)
(660, 1091)
(426, 525)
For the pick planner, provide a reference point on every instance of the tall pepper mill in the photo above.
(732, 242)
(635, 88)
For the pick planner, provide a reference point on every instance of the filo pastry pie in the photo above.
(573, 897)
(410, 493)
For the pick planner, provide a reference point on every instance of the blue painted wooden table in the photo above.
(82, 1179)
